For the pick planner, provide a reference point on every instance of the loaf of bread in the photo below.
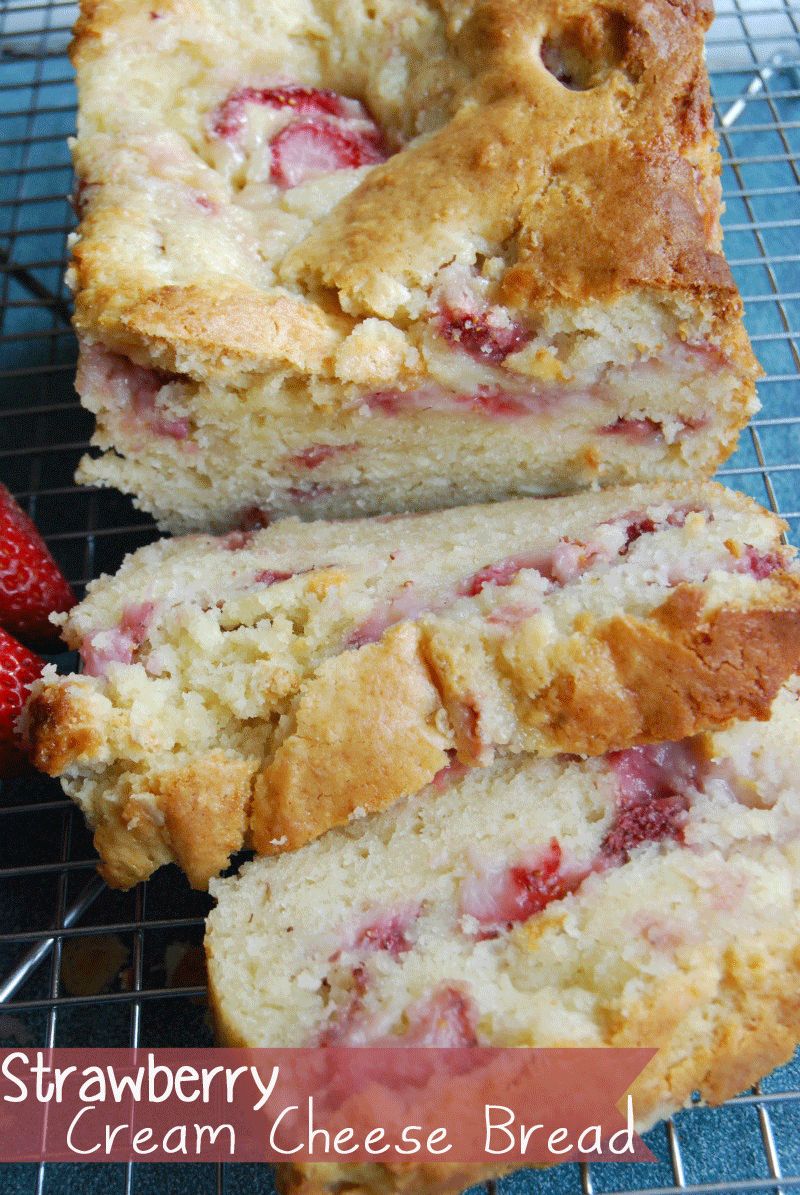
(650, 897)
(341, 258)
(262, 687)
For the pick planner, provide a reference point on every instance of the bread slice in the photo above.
(262, 687)
(650, 897)
(342, 258)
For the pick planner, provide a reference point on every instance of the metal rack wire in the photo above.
(57, 921)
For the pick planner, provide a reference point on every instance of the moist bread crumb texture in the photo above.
(260, 687)
(648, 897)
(345, 258)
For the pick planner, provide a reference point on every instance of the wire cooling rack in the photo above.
(80, 965)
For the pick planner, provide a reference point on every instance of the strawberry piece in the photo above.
(566, 562)
(253, 519)
(650, 821)
(642, 524)
(503, 572)
(306, 101)
(451, 773)
(635, 530)
(499, 900)
(302, 494)
(482, 339)
(638, 431)
(18, 669)
(652, 796)
(31, 583)
(490, 402)
(759, 564)
(317, 454)
(386, 933)
(309, 147)
(271, 576)
(499, 404)
(534, 888)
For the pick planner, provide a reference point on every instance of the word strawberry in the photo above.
(31, 583)
(18, 669)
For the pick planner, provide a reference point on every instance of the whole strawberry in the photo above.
(18, 669)
(31, 583)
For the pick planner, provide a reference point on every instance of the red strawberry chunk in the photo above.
(636, 529)
(565, 563)
(759, 564)
(31, 583)
(451, 773)
(512, 614)
(116, 647)
(637, 431)
(317, 454)
(533, 888)
(503, 572)
(498, 900)
(19, 668)
(487, 402)
(251, 520)
(481, 337)
(270, 576)
(641, 524)
(495, 403)
(465, 718)
(386, 933)
(310, 147)
(236, 541)
(309, 493)
(409, 603)
(653, 784)
(119, 644)
(136, 619)
(306, 101)
(650, 821)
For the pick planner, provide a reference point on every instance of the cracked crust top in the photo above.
(565, 148)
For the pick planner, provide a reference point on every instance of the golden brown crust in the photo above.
(194, 814)
(365, 736)
(678, 673)
(187, 323)
(205, 808)
(594, 187)
(131, 843)
(589, 191)
(754, 1027)
(704, 671)
(60, 727)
